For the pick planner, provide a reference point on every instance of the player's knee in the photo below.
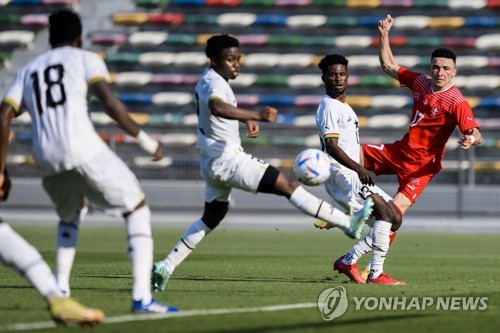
(214, 212)
(396, 220)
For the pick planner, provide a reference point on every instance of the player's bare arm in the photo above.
(333, 149)
(7, 113)
(470, 138)
(221, 109)
(118, 112)
(387, 61)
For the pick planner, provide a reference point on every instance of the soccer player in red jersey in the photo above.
(438, 107)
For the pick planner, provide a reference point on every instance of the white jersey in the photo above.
(215, 134)
(53, 87)
(335, 119)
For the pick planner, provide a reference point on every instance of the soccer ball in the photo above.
(312, 167)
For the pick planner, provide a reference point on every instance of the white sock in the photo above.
(360, 249)
(381, 231)
(369, 265)
(15, 251)
(67, 236)
(194, 235)
(315, 207)
(140, 247)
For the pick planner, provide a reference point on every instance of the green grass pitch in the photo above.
(237, 269)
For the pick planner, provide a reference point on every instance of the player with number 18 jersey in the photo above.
(52, 89)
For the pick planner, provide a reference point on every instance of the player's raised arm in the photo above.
(387, 61)
(471, 137)
(118, 112)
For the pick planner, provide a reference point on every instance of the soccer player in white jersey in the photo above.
(73, 160)
(351, 184)
(225, 165)
(16, 252)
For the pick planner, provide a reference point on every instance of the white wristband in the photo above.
(472, 139)
(147, 143)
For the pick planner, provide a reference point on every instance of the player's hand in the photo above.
(466, 141)
(158, 154)
(386, 24)
(269, 114)
(365, 176)
(5, 185)
(253, 129)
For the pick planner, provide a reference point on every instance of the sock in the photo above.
(140, 249)
(67, 236)
(315, 207)
(381, 231)
(15, 251)
(360, 249)
(193, 236)
(392, 236)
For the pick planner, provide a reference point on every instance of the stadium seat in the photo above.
(430, 3)
(272, 80)
(446, 22)
(100, 118)
(455, 42)
(152, 3)
(466, 4)
(488, 42)
(133, 79)
(147, 38)
(130, 18)
(280, 100)
(136, 98)
(408, 61)
(416, 22)
(374, 81)
(35, 20)
(305, 21)
(199, 3)
(388, 120)
(255, 39)
(174, 79)
(363, 3)
(487, 82)
(108, 38)
(236, 19)
(353, 42)
(397, 3)
(257, 3)
(248, 99)
(359, 101)
(222, 3)
(192, 59)
(276, 20)
(201, 19)
(261, 60)
(307, 120)
(166, 18)
(156, 58)
(472, 62)
(364, 61)
(342, 21)
(17, 38)
(481, 21)
(122, 58)
(295, 60)
(308, 100)
(304, 81)
(172, 98)
(285, 40)
(244, 80)
(389, 101)
(425, 42)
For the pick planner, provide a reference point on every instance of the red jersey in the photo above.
(434, 117)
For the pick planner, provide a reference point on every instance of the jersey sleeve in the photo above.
(14, 94)
(328, 121)
(465, 117)
(217, 90)
(95, 69)
(407, 77)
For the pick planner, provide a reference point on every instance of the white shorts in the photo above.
(233, 169)
(348, 191)
(105, 180)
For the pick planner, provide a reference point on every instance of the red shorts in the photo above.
(413, 175)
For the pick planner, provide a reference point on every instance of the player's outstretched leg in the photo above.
(357, 220)
(64, 310)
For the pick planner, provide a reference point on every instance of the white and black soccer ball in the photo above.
(312, 167)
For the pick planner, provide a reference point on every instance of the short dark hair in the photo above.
(217, 43)
(444, 52)
(65, 26)
(332, 59)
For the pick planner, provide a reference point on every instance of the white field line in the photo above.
(157, 316)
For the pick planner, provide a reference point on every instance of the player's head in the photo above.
(335, 76)
(224, 54)
(65, 28)
(443, 68)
